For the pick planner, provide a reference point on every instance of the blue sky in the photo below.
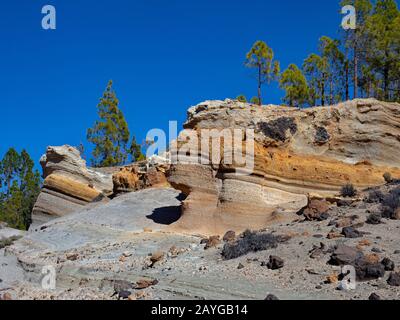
(163, 57)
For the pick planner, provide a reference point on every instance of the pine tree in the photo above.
(8, 168)
(356, 41)
(21, 189)
(261, 58)
(294, 83)
(335, 63)
(315, 68)
(241, 98)
(383, 28)
(110, 134)
(255, 100)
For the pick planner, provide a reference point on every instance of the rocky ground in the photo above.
(124, 249)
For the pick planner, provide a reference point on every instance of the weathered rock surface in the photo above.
(68, 184)
(298, 153)
(141, 175)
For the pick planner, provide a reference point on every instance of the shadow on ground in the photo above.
(167, 215)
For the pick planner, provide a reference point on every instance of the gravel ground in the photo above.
(90, 252)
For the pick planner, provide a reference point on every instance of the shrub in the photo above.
(276, 129)
(321, 136)
(241, 98)
(388, 177)
(374, 218)
(375, 196)
(250, 242)
(391, 203)
(348, 190)
(8, 242)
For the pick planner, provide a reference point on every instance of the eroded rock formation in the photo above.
(298, 153)
(68, 184)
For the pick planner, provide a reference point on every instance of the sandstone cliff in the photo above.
(298, 153)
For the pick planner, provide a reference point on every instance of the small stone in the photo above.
(156, 257)
(364, 243)
(6, 296)
(271, 297)
(374, 297)
(212, 242)
(240, 266)
(334, 235)
(122, 285)
(143, 284)
(350, 232)
(124, 294)
(333, 278)
(388, 264)
(229, 236)
(127, 254)
(72, 256)
(394, 279)
(376, 250)
(275, 263)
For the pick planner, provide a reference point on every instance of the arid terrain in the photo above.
(156, 230)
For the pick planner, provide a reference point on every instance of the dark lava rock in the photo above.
(394, 279)
(374, 297)
(240, 266)
(365, 269)
(374, 218)
(388, 264)
(317, 252)
(376, 250)
(122, 285)
(396, 252)
(352, 233)
(344, 203)
(345, 255)
(271, 297)
(275, 263)
(124, 294)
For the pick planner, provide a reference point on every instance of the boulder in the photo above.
(367, 267)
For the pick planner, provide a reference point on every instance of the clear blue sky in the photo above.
(163, 56)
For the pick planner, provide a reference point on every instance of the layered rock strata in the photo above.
(298, 153)
(68, 184)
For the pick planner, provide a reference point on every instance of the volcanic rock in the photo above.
(68, 184)
(394, 279)
(290, 163)
(275, 263)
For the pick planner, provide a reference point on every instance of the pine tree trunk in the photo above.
(355, 95)
(386, 83)
(347, 80)
(259, 85)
